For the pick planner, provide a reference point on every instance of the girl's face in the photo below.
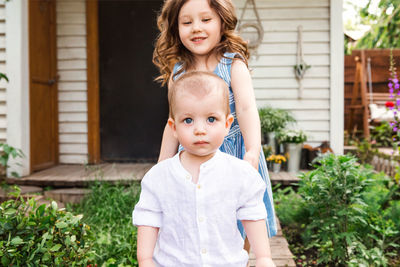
(199, 27)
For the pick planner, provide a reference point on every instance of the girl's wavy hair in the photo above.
(170, 50)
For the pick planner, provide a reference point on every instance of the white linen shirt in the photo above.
(198, 222)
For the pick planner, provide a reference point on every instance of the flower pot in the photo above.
(276, 167)
(294, 151)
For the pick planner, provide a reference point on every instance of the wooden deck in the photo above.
(81, 175)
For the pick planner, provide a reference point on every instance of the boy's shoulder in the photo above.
(160, 168)
(237, 165)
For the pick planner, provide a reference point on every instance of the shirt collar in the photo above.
(177, 165)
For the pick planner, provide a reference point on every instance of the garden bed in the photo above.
(342, 214)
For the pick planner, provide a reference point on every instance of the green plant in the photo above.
(40, 235)
(291, 136)
(383, 135)
(108, 210)
(274, 119)
(5, 152)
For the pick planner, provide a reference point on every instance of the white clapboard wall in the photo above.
(72, 86)
(273, 76)
(3, 83)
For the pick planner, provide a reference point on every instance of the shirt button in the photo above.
(203, 251)
(201, 219)
(188, 177)
(198, 186)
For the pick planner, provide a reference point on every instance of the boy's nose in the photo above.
(199, 129)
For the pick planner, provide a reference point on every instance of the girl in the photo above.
(200, 35)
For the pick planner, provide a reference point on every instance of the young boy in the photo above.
(189, 205)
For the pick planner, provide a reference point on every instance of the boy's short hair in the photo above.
(200, 83)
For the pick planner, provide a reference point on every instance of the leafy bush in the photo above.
(274, 119)
(108, 210)
(40, 235)
(291, 136)
(6, 152)
(346, 213)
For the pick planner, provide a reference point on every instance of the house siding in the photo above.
(72, 86)
(272, 70)
(273, 76)
(3, 83)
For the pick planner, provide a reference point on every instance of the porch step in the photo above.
(26, 191)
(284, 178)
(62, 176)
(67, 195)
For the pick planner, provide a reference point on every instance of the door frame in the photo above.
(93, 102)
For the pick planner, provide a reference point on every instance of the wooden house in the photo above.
(81, 86)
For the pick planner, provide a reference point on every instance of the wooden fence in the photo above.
(380, 62)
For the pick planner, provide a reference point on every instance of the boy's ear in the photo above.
(229, 121)
(171, 124)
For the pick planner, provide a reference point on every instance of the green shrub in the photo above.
(346, 213)
(108, 210)
(40, 235)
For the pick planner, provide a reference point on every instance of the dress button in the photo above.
(188, 177)
(203, 251)
(201, 219)
(198, 186)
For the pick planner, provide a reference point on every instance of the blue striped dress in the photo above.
(234, 144)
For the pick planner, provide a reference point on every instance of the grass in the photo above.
(108, 211)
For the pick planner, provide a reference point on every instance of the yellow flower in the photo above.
(277, 158)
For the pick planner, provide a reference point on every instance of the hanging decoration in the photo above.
(301, 66)
(250, 31)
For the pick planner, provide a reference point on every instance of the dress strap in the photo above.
(177, 67)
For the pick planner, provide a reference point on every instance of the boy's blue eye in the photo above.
(188, 121)
(211, 119)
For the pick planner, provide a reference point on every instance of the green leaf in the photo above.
(16, 241)
(61, 225)
(10, 211)
(55, 248)
(54, 205)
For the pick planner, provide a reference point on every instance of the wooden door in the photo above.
(43, 84)
(133, 108)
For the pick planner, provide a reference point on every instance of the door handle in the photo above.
(45, 81)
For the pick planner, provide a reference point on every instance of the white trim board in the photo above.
(17, 93)
(337, 77)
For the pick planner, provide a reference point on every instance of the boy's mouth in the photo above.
(201, 143)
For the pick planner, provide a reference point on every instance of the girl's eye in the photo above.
(188, 121)
(211, 119)
(206, 20)
(186, 22)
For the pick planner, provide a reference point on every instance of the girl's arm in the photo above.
(169, 144)
(146, 241)
(256, 232)
(246, 111)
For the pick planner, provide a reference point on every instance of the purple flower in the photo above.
(395, 80)
(396, 86)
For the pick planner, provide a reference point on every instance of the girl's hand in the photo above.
(265, 262)
(252, 158)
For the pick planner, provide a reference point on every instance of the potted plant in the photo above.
(277, 161)
(294, 140)
(273, 120)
